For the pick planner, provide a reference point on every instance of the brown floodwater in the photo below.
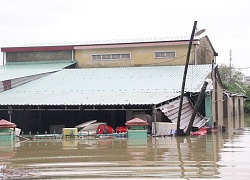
(220, 155)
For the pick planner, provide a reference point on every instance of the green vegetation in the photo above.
(233, 80)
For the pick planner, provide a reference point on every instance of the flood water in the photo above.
(220, 155)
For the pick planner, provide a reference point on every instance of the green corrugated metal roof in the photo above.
(13, 70)
(108, 86)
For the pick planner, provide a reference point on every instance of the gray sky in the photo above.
(227, 22)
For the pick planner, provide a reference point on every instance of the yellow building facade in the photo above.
(126, 53)
(154, 53)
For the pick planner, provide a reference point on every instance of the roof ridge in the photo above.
(113, 41)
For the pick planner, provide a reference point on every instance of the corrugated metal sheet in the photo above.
(115, 41)
(24, 69)
(171, 111)
(108, 86)
(15, 74)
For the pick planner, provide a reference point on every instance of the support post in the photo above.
(10, 112)
(179, 131)
(154, 116)
(196, 107)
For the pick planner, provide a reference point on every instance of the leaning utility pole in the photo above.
(179, 131)
(196, 107)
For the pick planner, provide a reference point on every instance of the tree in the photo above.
(232, 78)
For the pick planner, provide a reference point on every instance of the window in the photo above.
(164, 54)
(96, 57)
(101, 57)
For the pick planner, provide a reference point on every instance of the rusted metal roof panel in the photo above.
(108, 86)
(171, 111)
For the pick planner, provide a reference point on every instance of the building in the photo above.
(111, 81)
(117, 53)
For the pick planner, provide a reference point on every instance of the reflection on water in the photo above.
(213, 156)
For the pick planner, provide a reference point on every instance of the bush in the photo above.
(247, 106)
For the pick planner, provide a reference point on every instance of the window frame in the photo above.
(171, 51)
(122, 56)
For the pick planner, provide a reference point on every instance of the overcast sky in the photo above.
(227, 22)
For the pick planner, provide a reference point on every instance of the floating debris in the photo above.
(18, 173)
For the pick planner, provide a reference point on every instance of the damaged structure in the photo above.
(45, 85)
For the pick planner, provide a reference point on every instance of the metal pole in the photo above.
(10, 112)
(179, 131)
(4, 58)
(72, 55)
(196, 107)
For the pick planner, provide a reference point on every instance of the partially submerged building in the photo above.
(111, 81)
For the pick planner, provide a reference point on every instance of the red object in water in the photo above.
(100, 129)
(110, 130)
(136, 122)
(121, 129)
(6, 124)
(104, 129)
(203, 131)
